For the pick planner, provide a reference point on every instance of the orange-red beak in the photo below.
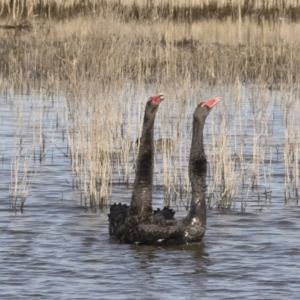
(157, 99)
(211, 103)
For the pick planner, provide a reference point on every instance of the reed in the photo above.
(179, 10)
(22, 166)
(104, 58)
(291, 147)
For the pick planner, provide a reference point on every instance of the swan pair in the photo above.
(137, 223)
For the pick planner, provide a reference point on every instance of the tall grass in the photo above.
(180, 10)
(23, 170)
(102, 61)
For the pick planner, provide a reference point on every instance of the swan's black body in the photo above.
(138, 223)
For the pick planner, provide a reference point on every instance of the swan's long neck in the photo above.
(197, 171)
(141, 202)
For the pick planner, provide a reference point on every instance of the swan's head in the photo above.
(204, 108)
(153, 104)
(210, 103)
(156, 99)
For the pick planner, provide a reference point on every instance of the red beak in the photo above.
(211, 103)
(157, 99)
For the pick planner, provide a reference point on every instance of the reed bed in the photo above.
(179, 10)
(105, 66)
(29, 147)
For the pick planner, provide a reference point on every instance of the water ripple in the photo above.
(58, 249)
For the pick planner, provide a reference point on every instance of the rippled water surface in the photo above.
(57, 249)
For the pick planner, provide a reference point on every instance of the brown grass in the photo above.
(101, 61)
(179, 10)
(108, 49)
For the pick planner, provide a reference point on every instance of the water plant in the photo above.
(103, 75)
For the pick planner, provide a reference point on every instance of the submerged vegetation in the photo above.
(106, 57)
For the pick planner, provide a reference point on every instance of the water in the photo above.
(58, 249)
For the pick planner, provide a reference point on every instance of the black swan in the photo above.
(137, 224)
(141, 202)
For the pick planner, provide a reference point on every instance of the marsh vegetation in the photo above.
(95, 63)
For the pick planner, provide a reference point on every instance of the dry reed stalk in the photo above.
(223, 172)
(165, 147)
(22, 172)
(267, 167)
(170, 170)
(291, 149)
(21, 181)
(183, 129)
(104, 142)
(296, 168)
(71, 3)
(179, 10)
(94, 67)
(219, 3)
(167, 52)
(287, 165)
(261, 117)
(229, 171)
